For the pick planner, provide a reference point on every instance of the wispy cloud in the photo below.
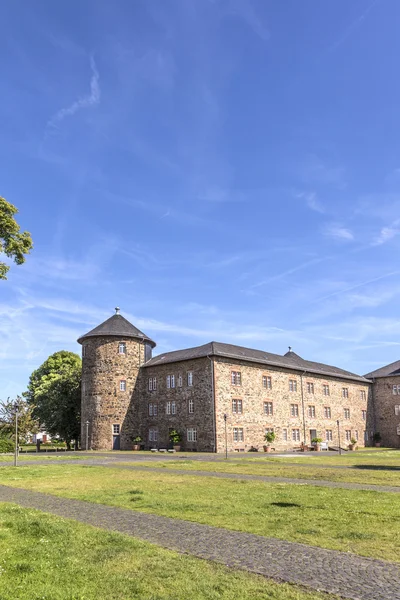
(387, 233)
(338, 232)
(312, 201)
(314, 170)
(353, 26)
(244, 10)
(85, 102)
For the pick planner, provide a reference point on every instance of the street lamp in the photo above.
(16, 408)
(87, 435)
(338, 431)
(226, 436)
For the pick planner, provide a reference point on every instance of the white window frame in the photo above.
(173, 407)
(295, 435)
(292, 385)
(116, 429)
(172, 381)
(396, 390)
(348, 435)
(153, 434)
(363, 395)
(268, 408)
(150, 384)
(153, 409)
(168, 408)
(236, 378)
(284, 435)
(328, 435)
(238, 434)
(267, 382)
(356, 434)
(122, 385)
(191, 434)
(346, 412)
(345, 392)
(237, 406)
(122, 348)
(294, 410)
(326, 389)
(364, 415)
(83, 350)
(179, 380)
(191, 406)
(327, 412)
(310, 387)
(397, 409)
(311, 411)
(190, 378)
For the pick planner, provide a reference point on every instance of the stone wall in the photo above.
(103, 403)
(386, 420)
(254, 421)
(200, 393)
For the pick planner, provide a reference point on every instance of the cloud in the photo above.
(387, 233)
(85, 102)
(244, 10)
(353, 26)
(339, 233)
(312, 201)
(315, 171)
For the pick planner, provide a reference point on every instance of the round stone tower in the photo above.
(112, 354)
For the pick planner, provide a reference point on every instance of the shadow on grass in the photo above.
(285, 504)
(376, 467)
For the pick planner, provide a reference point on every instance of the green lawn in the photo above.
(49, 558)
(366, 523)
(41, 456)
(381, 474)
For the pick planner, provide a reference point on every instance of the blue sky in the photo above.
(220, 169)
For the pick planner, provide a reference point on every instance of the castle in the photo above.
(220, 396)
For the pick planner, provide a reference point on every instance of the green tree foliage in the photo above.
(13, 243)
(27, 423)
(54, 391)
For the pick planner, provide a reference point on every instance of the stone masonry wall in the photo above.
(386, 420)
(253, 395)
(103, 403)
(200, 392)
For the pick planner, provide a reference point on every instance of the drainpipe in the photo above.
(213, 401)
(302, 406)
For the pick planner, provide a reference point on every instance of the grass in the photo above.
(40, 456)
(381, 474)
(49, 558)
(366, 523)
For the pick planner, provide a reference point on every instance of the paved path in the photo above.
(345, 574)
(116, 464)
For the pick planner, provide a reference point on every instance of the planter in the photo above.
(317, 447)
(136, 447)
(351, 447)
(267, 448)
(177, 448)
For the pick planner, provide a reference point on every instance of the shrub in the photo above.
(6, 445)
(270, 437)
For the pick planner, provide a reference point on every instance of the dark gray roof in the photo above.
(290, 361)
(389, 370)
(117, 325)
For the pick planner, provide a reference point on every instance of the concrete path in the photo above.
(341, 573)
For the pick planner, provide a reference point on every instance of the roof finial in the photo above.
(117, 309)
(290, 348)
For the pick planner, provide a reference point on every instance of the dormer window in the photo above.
(122, 348)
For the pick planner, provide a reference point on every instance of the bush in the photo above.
(6, 445)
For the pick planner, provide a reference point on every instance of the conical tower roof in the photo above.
(117, 326)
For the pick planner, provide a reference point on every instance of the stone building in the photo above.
(217, 396)
(386, 403)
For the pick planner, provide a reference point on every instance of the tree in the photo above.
(27, 423)
(54, 391)
(13, 243)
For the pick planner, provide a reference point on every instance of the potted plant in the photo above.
(316, 443)
(175, 438)
(136, 442)
(377, 439)
(269, 438)
(353, 444)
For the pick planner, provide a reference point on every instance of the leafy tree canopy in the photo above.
(27, 423)
(54, 391)
(13, 243)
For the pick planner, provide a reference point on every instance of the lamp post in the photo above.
(16, 407)
(226, 437)
(338, 431)
(87, 435)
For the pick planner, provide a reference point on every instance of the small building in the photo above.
(386, 403)
(215, 395)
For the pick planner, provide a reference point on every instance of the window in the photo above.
(192, 434)
(396, 390)
(311, 412)
(122, 385)
(348, 435)
(364, 415)
(170, 381)
(153, 409)
(397, 410)
(296, 435)
(327, 412)
(84, 350)
(191, 406)
(237, 406)
(122, 348)
(236, 378)
(238, 434)
(153, 434)
(168, 408)
(356, 434)
(179, 380)
(292, 385)
(152, 384)
(190, 379)
(267, 382)
(346, 413)
(328, 435)
(345, 392)
(326, 389)
(363, 394)
(147, 352)
(268, 408)
(310, 387)
(284, 435)
(294, 410)
(173, 408)
(365, 436)
(116, 429)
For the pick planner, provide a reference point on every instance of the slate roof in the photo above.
(389, 370)
(117, 325)
(290, 361)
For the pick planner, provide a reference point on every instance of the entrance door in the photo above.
(116, 442)
(313, 434)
